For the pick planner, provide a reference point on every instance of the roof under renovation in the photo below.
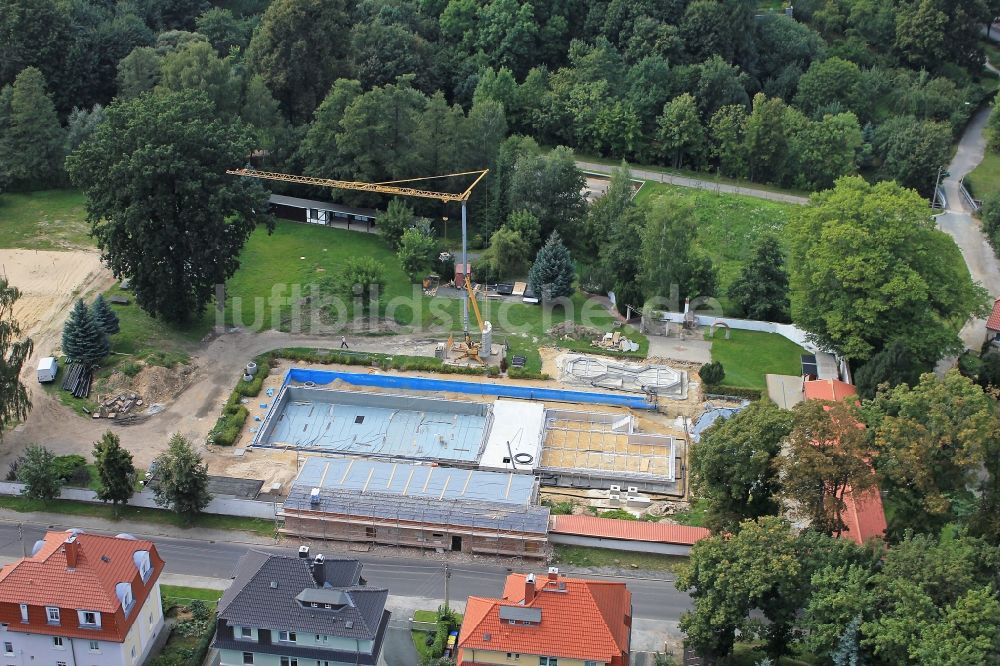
(375, 490)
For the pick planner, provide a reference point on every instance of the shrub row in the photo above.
(735, 392)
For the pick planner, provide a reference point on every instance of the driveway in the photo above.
(957, 221)
(397, 649)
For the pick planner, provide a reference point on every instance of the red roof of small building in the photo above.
(833, 390)
(580, 619)
(628, 530)
(993, 323)
(47, 579)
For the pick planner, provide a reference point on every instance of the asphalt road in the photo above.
(406, 577)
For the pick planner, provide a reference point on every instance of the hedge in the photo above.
(724, 391)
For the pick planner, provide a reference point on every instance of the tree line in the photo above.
(846, 84)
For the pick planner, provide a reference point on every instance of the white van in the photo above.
(47, 369)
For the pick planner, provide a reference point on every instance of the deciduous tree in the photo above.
(15, 348)
(392, 224)
(138, 72)
(868, 267)
(680, 133)
(416, 251)
(182, 479)
(115, 470)
(733, 465)
(361, 277)
(160, 204)
(827, 454)
(37, 471)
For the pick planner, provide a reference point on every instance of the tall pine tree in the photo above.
(83, 340)
(105, 317)
(32, 142)
(551, 275)
(761, 290)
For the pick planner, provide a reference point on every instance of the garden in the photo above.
(189, 614)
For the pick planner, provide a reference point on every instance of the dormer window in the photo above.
(124, 592)
(52, 613)
(24, 612)
(89, 619)
(142, 563)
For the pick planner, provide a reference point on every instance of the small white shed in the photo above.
(47, 369)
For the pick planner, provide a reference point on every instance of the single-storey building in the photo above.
(326, 213)
(633, 535)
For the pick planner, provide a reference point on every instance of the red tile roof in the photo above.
(864, 515)
(993, 323)
(603, 608)
(828, 389)
(45, 579)
(629, 530)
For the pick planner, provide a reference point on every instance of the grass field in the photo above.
(583, 556)
(157, 516)
(179, 594)
(43, 220)
(748, 355)
(985, 178)
(728, 224)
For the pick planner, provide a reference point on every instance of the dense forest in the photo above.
(366, 89)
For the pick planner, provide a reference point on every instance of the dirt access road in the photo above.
(217, 366)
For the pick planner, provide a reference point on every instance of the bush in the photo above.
(617, 514)
(737, 392)
(200, 610)
(130, 368)
(990, 215)
(712, 373)
(521, 373)
(559, 508)
(72, 470)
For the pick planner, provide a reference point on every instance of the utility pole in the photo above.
(447, 577)
(20, 535)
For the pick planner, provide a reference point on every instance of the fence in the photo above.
(227, 506)
(790, 331)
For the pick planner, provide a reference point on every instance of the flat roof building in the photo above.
(420, 505)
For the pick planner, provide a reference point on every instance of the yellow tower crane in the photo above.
(470, 348)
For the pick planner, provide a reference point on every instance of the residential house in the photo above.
(81, 600)
(550, 621)
(287, 611)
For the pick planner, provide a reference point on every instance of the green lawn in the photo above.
(748, 355)
(583, 556)
(43, 220)
(985, 178)
(157, 516)
(728, 224)
(180, 594)
(420, 637)
(694, 515)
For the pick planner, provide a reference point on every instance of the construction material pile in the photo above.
(120, 408)
(78, 379)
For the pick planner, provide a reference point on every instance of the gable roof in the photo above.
(628, 530)
(45, 579)
(833, 390)
(566, 605)
(993, 322)
(267, 590)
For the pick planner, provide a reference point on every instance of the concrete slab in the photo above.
(784, 390)
(690, 350)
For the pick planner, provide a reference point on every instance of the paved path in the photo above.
(958, 222)
(698, 183)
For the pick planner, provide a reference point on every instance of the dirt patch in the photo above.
(573, 331)
(154, 384)
(49, 282)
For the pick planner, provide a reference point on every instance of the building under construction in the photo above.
(417, 505)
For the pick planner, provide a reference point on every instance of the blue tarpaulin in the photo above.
(323, 377)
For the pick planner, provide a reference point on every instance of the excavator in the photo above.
(468, 348)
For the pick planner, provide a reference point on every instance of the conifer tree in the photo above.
(32, 143)
(115, 469)
(551, 275)
(105, 317)
(83, 340)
